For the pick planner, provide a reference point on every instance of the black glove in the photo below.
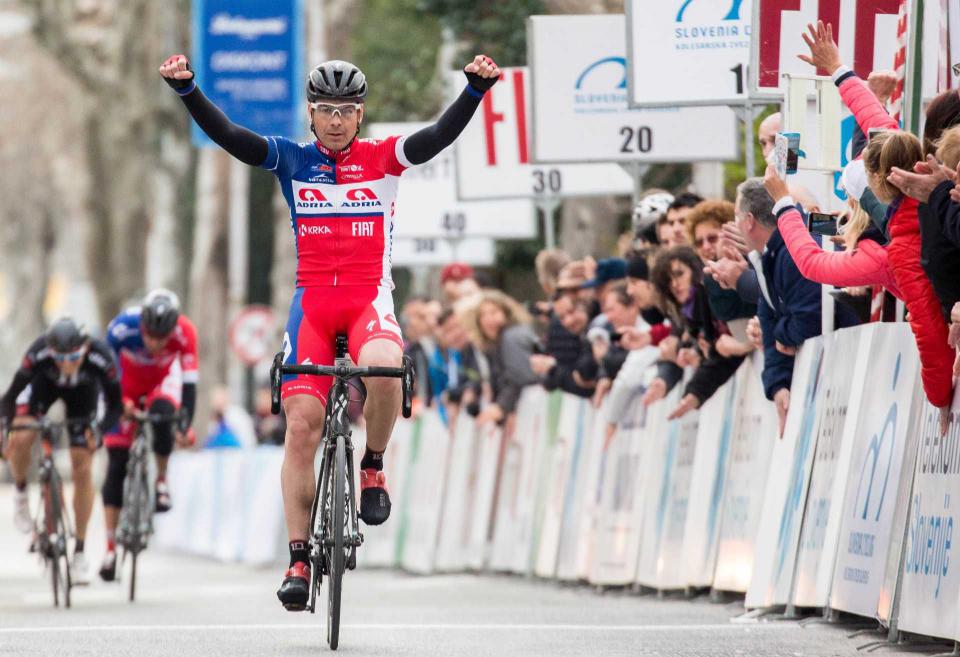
(180, 85)
(481, 84)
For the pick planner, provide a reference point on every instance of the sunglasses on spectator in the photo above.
(709, 239)
(328, 110)
(68, 357)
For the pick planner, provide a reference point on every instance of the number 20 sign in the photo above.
(494, 156)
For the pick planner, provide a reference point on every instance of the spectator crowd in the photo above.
(702, 283)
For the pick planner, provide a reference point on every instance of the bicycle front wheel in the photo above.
(56, 526)
(335, 541)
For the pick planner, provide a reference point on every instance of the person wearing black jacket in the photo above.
(678, 277)
(570, 368)
(64, 363)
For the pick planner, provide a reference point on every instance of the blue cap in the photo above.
(608, 269)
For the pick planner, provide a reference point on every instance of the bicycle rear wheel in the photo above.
(335, 541)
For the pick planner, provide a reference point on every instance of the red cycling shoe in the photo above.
(374, 499)
(294, 592)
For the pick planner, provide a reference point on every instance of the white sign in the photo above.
(580, 111)
(494, 159)
(865, 30)
(479, 251)
(253, 334)
(881, 442)
(931, 570)
(427, 204)
(688, 53)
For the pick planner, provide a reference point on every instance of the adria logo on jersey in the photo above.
(361, 197)
(311, 198)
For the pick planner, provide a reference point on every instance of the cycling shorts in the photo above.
(80, 402)
(149, 385)
(318, 315)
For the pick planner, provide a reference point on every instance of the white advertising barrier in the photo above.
(424, 491)
(580, 108)
(664, 517)
(493, 152)
(779, 531)
(560, 469)
(476, 251)
(576, 494)
(754, 436)
(702, 531)
(235, 513)
(690, 53)
(865, 31)
(483, 481)
(503, 544)
(881, 439)
(427, 204)
(930, 592)
(592, 492)
(535, 429)
(381, 544)
(618, 531)
(456, 516)
(842, 384)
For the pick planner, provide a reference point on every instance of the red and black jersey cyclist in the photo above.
(156, 347)
(341, 191)
(64, 363)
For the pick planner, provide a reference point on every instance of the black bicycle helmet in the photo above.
(336, 79)
(66, 335)
(160, 312)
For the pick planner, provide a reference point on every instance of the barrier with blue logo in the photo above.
(846, 355)
(786, 490)
(882, 441)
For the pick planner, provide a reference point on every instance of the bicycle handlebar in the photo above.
(405, 373)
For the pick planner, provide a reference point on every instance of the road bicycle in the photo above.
(135, 525)
(334, 527)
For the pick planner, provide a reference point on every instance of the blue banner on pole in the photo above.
(248, 58)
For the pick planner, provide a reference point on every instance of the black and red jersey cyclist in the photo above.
(67, 364)
(341, 191)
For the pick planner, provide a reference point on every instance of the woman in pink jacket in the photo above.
(898, 266)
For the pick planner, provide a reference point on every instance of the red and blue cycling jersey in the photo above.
(142, 371)
(341, 207)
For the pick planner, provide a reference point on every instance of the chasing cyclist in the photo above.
(341, 191)
(156, 347)
(64, 363)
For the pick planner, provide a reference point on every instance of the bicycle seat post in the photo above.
(341, 346)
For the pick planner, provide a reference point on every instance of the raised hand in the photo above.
(482, 73)
(176, 72)
(824, 53)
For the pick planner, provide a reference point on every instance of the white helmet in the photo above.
(650, 209)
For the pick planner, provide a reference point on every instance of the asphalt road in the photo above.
(191, 606)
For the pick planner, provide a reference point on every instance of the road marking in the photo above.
(400, 626)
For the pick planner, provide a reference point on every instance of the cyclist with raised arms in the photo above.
(156, 346)
(341, 191)
(63, 363)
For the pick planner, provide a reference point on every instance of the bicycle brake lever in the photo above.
(275, 379)
(407, 387)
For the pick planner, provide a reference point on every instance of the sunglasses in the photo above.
(68, 357)
(709, 239)
(328, 110)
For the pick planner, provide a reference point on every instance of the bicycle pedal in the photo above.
(295, 607)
